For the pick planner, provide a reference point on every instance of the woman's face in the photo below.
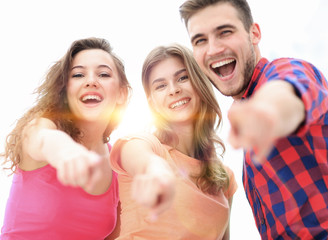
(93, 89)
(171, 92)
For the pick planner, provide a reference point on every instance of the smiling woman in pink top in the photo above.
(63, 186)
(172, 183)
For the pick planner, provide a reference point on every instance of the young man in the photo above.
(279, 117)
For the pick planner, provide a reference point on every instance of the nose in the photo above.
(215, 47)
(174, 89)
(92, 81)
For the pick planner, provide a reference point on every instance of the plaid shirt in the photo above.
(288, 192)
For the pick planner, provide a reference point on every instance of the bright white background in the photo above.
(36, 33)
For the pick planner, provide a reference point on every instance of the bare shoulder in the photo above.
(40, 123)
(27, 163)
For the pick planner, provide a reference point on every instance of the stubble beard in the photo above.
(248, 73)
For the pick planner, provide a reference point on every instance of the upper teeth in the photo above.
(177, 104)
(221, 63)
(88, 97)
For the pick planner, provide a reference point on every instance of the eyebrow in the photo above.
(198, 35)
(175, 74)
(179, 72)
(100, 66)
(218, 28)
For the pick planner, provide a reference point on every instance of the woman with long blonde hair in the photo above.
(175, 172)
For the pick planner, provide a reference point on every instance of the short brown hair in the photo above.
(190, 7)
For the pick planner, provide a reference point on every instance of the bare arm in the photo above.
(226, 235)
(153, 183)
(76, 165)
(274, 111)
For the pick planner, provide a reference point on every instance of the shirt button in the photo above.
(262, 221)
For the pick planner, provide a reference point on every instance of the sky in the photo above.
(36, 33)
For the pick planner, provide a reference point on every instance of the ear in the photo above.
(255, 33)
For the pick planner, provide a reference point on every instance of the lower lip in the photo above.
(90, 105)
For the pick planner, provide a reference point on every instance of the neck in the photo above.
(185, 136)
(92, 136)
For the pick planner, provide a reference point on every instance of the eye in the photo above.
(78, 75)
(199, 41)
(225, 33)
(160, 86)
(104, 75)
(183, 78)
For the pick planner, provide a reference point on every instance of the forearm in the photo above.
(55, 144)
(287, 107)
(153, 183)
(42, 141)
(137, 157)
(75, 164)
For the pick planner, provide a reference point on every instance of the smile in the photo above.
(91, 99)
(179, 103)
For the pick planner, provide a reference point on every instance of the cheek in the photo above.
(153, 102)
(71, 88)
(156, 103)
(197, 55)
(200, 59)
(112, 89)
(69, 94)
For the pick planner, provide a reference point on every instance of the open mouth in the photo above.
(224, 68)
(91, 99)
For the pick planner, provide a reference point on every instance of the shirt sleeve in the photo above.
(232, 188)
(115, 154)
(309, 84)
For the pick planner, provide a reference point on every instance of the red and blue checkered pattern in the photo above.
(288, 192)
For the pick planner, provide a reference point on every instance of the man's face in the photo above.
(223, 48)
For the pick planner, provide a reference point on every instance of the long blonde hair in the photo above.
(213, 176)
(51, 100)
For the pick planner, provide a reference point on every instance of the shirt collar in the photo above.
(255, 77)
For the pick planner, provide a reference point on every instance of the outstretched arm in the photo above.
(274, 111)
(76, 165)
(226, 235)
(153, 183)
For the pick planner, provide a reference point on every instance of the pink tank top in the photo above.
(40, 207)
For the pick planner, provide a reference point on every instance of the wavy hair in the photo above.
(51, 101)
(213, 175)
